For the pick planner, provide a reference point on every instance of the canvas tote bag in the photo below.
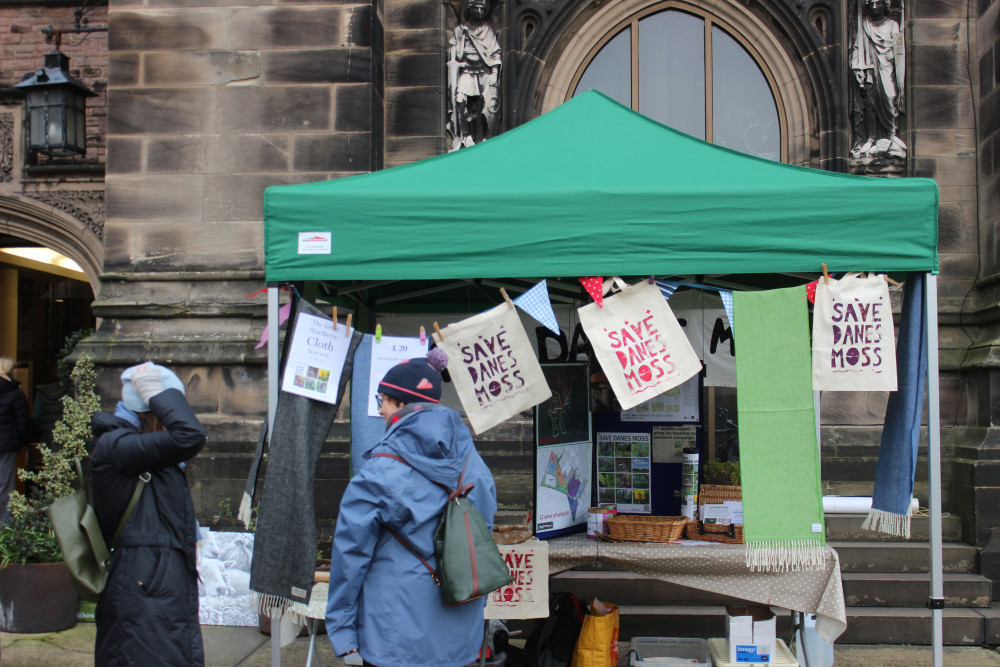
(639, 343)
(853, 347)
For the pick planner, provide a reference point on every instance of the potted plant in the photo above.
(35, 588)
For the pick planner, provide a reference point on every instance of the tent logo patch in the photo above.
(315, 243)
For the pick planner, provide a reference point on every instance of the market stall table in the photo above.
(717, 568)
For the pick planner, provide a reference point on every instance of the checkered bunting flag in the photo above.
(727, 303)
(536, 303)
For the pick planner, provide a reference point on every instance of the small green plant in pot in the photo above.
(722, 473)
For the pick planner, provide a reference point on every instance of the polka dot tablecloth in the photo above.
(718, 568)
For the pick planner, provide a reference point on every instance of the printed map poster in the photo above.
(563, 478)
(565, 416)
(528, 595)
(493, 366)
(316, 358)
(385, 355)
(639, 344)
(623, 470)
(679, 404)
(852, 340)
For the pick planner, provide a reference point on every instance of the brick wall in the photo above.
(23, 46)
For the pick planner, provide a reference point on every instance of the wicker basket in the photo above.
(713, 494)
(729, 534)
(646, 528)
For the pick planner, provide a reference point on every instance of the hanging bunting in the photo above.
(283, 313)
(727, 303)
(639, 344)
(595, 288)
(667, 287)
(536, 303)
(493, 366)
(852, 345)
(811, 291)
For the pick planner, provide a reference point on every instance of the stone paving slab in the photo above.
(246, 647)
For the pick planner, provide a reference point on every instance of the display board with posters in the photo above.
(680, 404)
(624, 468)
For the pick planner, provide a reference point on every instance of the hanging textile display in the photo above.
(493, 366)
(853, 348)
(779, 455)
(639, 344)
(897, 452)
(284, 558)
(366, 430)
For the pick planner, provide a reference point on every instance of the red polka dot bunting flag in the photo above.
(811, 291)
(595, 288)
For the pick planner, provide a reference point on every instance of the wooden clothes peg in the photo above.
(506, 298)
(437, 330)
(347, 328)
(826, 276)
(334, 318)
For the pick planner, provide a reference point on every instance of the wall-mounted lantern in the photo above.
(57, 123)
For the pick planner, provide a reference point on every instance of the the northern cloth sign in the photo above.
(528, 595)
(852, 345)
(493, 366)
(639, 343)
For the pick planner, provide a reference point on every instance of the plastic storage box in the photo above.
(669, 652)
(719, 652)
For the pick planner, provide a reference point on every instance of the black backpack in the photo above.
(551, 643)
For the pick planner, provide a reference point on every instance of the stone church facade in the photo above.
(210, 102)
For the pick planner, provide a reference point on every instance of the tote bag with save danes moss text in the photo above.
(852, 340)
(639, 343)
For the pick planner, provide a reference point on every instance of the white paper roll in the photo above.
(855, 504)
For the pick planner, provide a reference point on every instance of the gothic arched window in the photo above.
(690, 72)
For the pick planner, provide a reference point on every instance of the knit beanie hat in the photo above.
(416, 379)
(129, 396)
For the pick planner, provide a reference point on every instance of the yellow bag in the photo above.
(598, 642)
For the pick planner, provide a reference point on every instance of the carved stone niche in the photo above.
(889, 167)
(877, 82)
(474, 64)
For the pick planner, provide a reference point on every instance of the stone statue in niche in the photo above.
(878, 62)
(473, 77)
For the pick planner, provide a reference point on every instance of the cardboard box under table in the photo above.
(750, 631)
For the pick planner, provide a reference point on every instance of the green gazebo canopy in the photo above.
(593, 188)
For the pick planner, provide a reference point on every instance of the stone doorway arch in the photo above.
(80, 240)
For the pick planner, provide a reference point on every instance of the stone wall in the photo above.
(214, 101)
(210, 103)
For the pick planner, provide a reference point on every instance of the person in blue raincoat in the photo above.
(382, 600)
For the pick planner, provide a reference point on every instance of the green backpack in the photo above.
(469, 565)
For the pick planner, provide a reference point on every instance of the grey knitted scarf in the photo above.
(284, 556)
